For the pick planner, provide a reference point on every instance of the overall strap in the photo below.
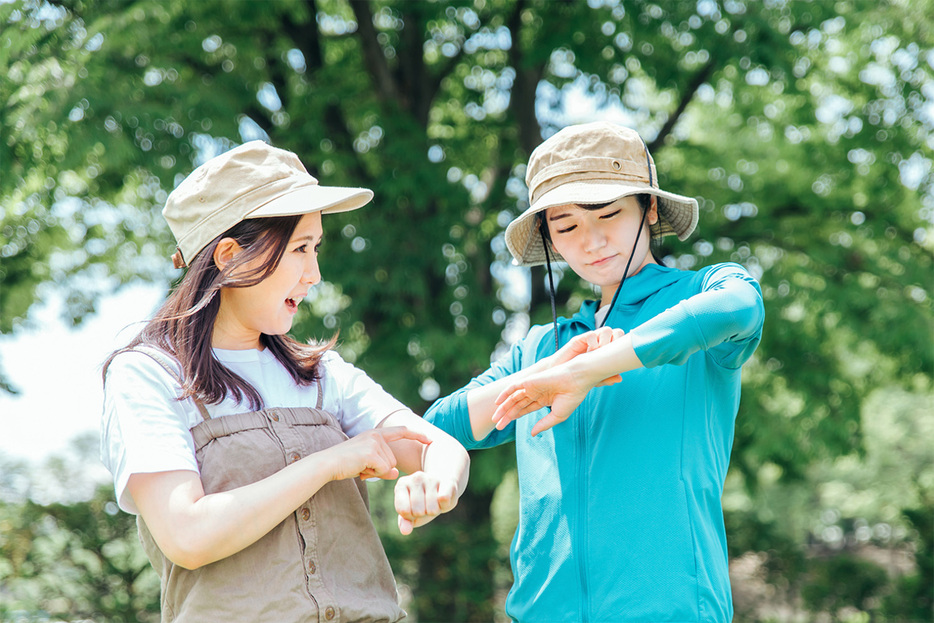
(320, 387)
(162, 358)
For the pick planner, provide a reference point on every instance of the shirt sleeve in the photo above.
(144, 427)
(358, 402)
(451, 413)
(724, 318)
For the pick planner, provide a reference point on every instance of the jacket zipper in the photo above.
(583, 490)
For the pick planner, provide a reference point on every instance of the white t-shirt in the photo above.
(145, 429)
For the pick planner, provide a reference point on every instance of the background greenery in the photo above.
(803, 128)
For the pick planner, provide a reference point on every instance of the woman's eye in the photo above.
(567, 229)
(317, 247)
(611, 214)
(301, 249)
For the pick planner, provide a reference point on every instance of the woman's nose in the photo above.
(312, 273)
(594, 238)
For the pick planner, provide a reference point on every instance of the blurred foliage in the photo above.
(803, 128)
(67, 552)
(856, 533)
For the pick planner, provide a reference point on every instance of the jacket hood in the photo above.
(637, 288)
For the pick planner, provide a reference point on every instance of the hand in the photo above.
(560, 388)
(421, 497)
(368, 454)
(585, 343)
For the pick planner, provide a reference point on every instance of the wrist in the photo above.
(591, 368)
(328, 465)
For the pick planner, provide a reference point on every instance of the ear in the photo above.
(225, 251)
(652, 216)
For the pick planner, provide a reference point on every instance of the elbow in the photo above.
(749, 310)
(186, 554)
(756, 312)
(189, 562)
(466, 471)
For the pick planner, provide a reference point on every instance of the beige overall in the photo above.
(324, 563)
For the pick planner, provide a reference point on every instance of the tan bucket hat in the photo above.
(254, 180)
(592, 163)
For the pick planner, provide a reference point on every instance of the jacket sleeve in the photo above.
(451, 414)
(724, 318)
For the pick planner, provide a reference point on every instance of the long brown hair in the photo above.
(184, 325)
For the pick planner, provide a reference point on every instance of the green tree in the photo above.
(803, 128)
(75, 558)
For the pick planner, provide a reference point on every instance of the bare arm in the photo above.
(483, 402)
(437, 472)
(563, 387)
(193, 529)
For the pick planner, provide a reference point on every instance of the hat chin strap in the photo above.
(551, 281)
(648, 162)
(178, 259)
(626, 272)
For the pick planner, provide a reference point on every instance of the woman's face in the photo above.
(270, 306)
(597, 243)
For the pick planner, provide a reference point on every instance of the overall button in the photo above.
(329, 613)
(312, 568)
(274, 415)
(306, 514)
(294, 457)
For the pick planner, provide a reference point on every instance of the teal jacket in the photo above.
(619, 511)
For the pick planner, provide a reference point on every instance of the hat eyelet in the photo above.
(617, 165)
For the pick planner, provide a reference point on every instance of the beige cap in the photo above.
(592, 163)
(254, 180)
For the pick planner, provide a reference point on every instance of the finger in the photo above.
(386, 454)
(557, 415)
(447, 496)
(602, 336)
(402, 499)
(432, 503)
(508, 401)
(581, 347)
(405, 525)
(417, 502)
(390, 474)
(506, 413)
(545, 423)
(590, 340)
(508, 393)
(618, 333)
(612, 380)
(395, 433)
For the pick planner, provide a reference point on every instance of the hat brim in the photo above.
(678, 215)
(314, 198)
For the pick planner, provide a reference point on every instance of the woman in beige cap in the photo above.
(620, 482)
(243, 451)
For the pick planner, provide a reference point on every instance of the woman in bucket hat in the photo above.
(620, 481)
(243, 451)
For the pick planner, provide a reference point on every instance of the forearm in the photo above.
(193, 529)
(614, 358)
(481, 400)
(726, 317)
(444, 457)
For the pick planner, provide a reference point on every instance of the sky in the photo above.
(57, 370)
